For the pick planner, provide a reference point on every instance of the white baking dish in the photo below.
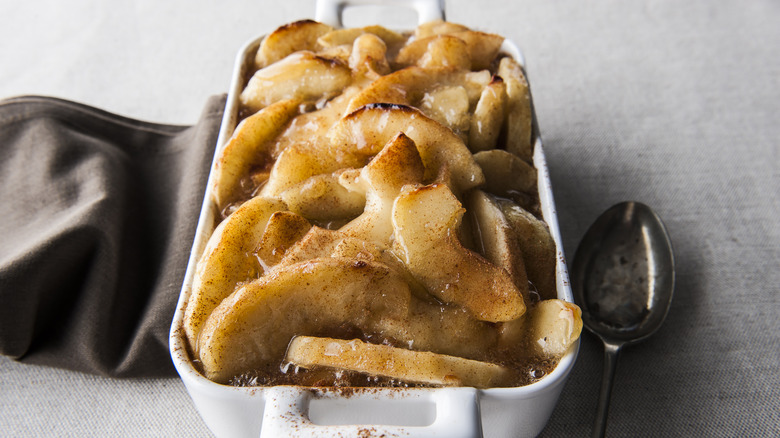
(419, 412)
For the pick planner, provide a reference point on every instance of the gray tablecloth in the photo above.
(674, 104)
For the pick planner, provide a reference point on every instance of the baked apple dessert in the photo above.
(379, 219)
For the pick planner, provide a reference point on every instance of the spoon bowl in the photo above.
(623, 280)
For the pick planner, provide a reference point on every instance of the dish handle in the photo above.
(448, 412)
(331, 11)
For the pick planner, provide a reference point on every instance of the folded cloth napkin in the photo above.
(97, 218)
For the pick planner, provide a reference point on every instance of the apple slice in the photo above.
(226, 261)
(340, 37)
(323, 198)
(449, 105)
(518, 116)
(482, 47)
(369, 56)
(438, 27)
(507, 176)
(299, 162)
(488, 118)
(554, 325)
(397, 363)
(301, 75)
(547, 330)
(250, 330)
(358, 249)
(290, 38)
(396, 165)
(426, 220)
(284, 229)
(499, 241)
(248, 148)
(537, 245)
(435, 51)
(408, 86)
(445, 157)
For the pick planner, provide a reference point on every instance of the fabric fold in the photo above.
(97, 218)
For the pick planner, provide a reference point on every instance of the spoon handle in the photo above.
(611, 352)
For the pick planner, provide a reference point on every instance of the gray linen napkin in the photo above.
(97, 217)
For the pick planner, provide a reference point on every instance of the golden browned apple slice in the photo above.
(499, 241)
(358, 249)
(402, 87)
(508, 176)
(397, 363)
(250, 330)
(283, 230)
(488, 116)
(425, 220)
(301, 75)
(248, 148)
(518, 116)
(300, 161)
(548, 329)
(318, 242)
(323, 198)
(537, 245)
(300, 35)
(553, 326)
(396, 165)
(438, 27)
(310, 127)
(341, 37)
(483, 47)
(449, 105)
(445, 157)
(227, 260)
(337, 53)
(435, 51)
(368, 56)
(409, 86)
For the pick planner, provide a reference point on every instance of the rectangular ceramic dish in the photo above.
(420, 412)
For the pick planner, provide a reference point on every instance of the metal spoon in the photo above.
(623, 280)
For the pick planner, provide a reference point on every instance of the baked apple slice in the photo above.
(537, 245)
(409, 86)
(369, 56)
(488, 118)
(438, 27)
(250, 330)
(395, 166)
(499, 241)
(445, 157)
(426, 220)
(283, 231)
(323, 198)
(249, 147)
(226, 261)
(518, 115)
(397, 363)
(506, 174)
(436, 51)
(451, 47)
(290, 38)
(340, 37)
(302, 75)
(547, 330)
